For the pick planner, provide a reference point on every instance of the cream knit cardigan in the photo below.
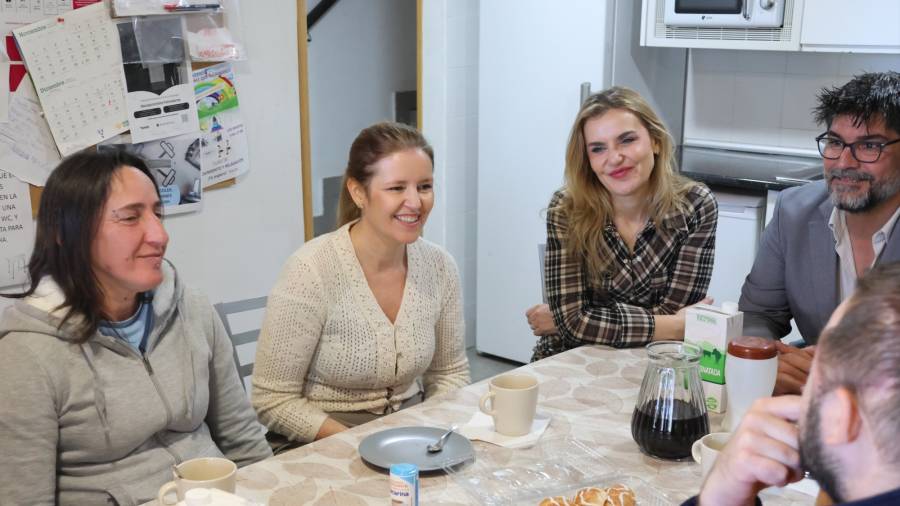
(326, 345)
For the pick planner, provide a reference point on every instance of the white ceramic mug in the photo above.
(205, 472)
(706, 449)
(513, 399)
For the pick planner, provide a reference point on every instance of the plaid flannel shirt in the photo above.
(669, 269)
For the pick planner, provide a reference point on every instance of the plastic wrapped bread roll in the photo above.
(620, 495)
(591, 496)
(556, 501)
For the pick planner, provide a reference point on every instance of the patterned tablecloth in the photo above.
(590, 393)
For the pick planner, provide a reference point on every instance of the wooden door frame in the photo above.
(305, 154)
(303, 77)
(419, 64)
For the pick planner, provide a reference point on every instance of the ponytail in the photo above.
(347, 209)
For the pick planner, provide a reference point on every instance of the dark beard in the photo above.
(878, 192)
(812, 453)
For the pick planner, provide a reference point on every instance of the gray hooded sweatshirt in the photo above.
(97, 423)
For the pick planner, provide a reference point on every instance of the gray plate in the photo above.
(407, 445)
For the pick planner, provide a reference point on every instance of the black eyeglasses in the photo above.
(863, 151)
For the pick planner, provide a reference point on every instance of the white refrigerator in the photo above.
(533, 58)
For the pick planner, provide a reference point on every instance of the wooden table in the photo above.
(589, 391)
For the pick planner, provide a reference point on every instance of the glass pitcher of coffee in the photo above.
(670, 413)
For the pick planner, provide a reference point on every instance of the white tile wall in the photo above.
(762, 99)
(450, 112)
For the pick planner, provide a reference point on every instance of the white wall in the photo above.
(762, 99)
(450, 122)
(361, 51)
(234, 248)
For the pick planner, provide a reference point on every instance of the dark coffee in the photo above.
(668, 430)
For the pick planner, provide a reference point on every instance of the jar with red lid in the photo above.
(751, 367)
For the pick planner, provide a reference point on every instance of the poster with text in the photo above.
(160, 98)
(224, 137)
(175, 164)
(16, 230)
(27, 148)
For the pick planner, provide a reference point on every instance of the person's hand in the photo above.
(763, 452)
(540, 319)
(683, 311)
(671, 327)
(330, 427)
(793, 368)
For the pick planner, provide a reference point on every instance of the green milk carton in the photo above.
(711, 329)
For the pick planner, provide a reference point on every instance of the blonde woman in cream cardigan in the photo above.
(367, 319)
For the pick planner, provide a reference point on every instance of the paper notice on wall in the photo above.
(16, 230)
(26, 145)
(16, 13)
(175, 164)
(224, 136)
(160, 96)
(75, 62)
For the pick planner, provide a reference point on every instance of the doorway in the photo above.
(362, 66)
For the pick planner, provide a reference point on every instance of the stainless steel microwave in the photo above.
(725, 13)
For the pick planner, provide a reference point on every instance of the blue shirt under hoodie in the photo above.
(133, 330)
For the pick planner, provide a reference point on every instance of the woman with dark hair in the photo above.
(111, 370)
(359, 315)
(629, 241)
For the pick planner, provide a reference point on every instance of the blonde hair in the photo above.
(587, 204)
(372, 144)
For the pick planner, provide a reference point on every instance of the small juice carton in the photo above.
(711, 329)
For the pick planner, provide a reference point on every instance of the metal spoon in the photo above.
(439, 444)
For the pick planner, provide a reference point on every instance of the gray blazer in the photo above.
(796, 271)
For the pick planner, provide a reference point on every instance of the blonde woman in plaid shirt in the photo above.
(629, 241)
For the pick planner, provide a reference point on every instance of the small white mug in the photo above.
(513, 400)
(706, 449)
(204, 472)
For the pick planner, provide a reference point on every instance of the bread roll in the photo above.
(591, 496)
(620, 495)
(556, 501)
(616, 495)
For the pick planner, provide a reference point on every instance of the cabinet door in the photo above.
(533, 56)
(865, 26)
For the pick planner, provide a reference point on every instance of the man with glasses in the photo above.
(823, 236)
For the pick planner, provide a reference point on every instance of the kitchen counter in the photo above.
(748, 171)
